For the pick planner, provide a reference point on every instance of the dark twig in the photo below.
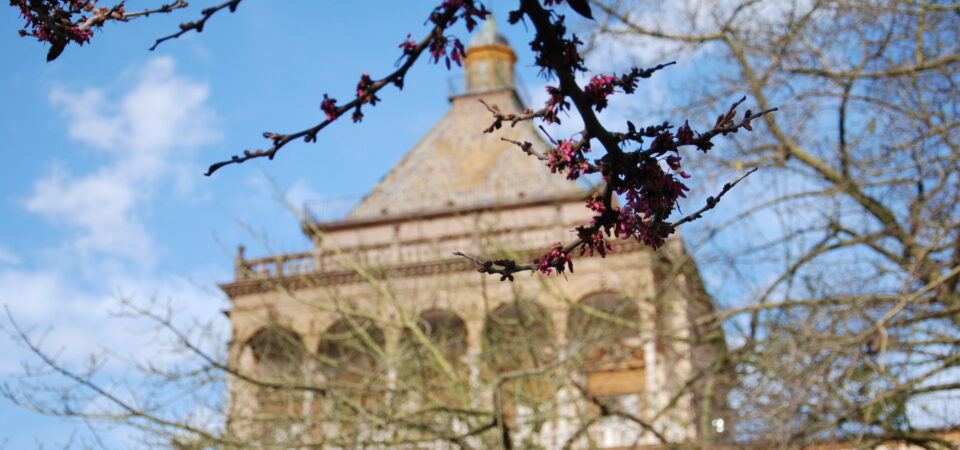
(711, 201)
(118, 13)
(513, 118)
(527, 148)
(509, 267)
(199, 23)
(310, 134)
(162, 9)
(726, 124)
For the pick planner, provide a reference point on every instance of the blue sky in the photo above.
(101, 191)
(102, 195)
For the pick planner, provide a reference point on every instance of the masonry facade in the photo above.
(380, 336)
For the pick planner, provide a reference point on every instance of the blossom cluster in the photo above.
(469, 10)
(439, 49)
(648, 178)
(365, 94)
(650, 197)
(445, 47)
(552, 56)
(53, 21)
(594, 236)
(329, 107)
(408, 45)
(599, 88)
(555, 104)
(556, 258)
(650, 192)
(568, 156)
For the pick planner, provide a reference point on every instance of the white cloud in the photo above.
(71, 319)
(149, 133)
(102, 205)
(163, 114)
(31, 295)
(7, 257)
(75, 322)
(299, 194)
(89, 123)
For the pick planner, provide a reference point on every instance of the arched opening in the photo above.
(445, 331)
(516, 336)
(604, 333)
(279, 355)
(421, 368)
(350, 357)
(351, 349)
(278, 352)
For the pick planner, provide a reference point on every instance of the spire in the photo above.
(489, 62)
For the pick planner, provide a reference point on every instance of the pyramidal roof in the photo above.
(455, 165)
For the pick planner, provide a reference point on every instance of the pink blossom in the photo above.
(564, 157)
(673, 162)
(594, 241)
(555, 259)
(599, 88)
(557, 103)
(329, 107)
(408, 46)
(663, 142)
(685, 134)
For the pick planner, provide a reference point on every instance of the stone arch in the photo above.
(351, 348)
(421, 369)
(278, 352)
(604, 326)
(605, 334)
(279, 356)
(446, 330)
(582, 287)
(518, 334)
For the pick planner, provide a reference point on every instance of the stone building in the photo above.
(379, 334)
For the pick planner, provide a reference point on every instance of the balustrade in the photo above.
(315, 261)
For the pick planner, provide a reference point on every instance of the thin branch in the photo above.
(199, 23)
(310, 134)
(711, 201)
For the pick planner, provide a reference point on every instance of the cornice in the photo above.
(409, 270)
